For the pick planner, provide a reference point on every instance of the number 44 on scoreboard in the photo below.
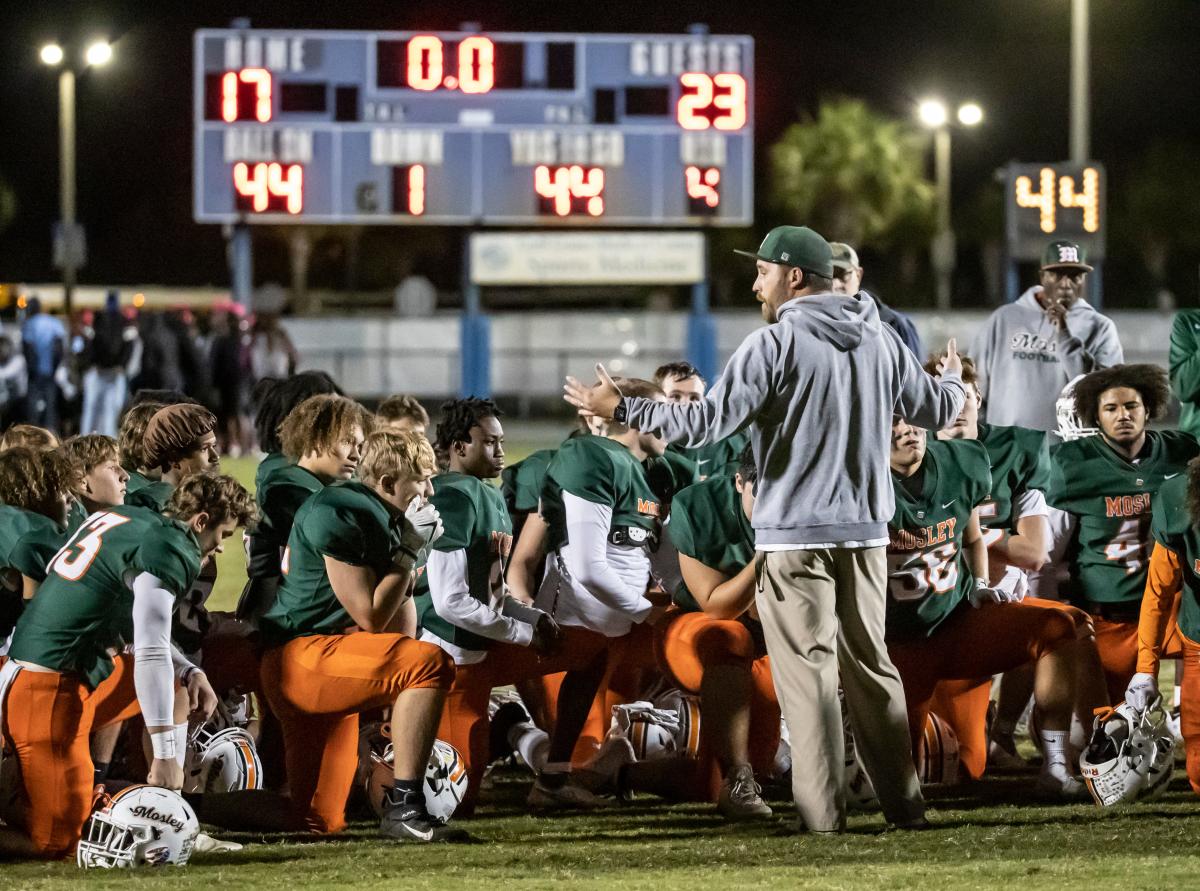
(1052, 201)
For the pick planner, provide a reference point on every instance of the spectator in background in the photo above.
(106, 357)
(402, 413)
(1185, 368)
(847, 279)
(43, 340)
(13, 380)
(1026, 352)
(229, 367)
(272, 353)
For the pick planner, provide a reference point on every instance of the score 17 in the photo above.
(1048, 198)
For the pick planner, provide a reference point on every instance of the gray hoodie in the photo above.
(1024, 362)
(818, 389)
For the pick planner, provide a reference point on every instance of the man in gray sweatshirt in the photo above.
(1029, 350)
(817, 388)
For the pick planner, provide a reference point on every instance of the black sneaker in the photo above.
(407, 820)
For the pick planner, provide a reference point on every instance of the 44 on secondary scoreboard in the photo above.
(473, 128)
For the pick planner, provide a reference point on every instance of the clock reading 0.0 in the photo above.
(266, 187)
(564, 191)
(1048, 199)
(428, 65)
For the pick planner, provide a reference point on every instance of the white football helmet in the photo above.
(650, 730)
(221, 761)
(445, 780)
(138, 826)
(1130, 755)
(687, 706)
(1069, 425)
(937, 753)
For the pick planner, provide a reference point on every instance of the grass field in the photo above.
(988, 835)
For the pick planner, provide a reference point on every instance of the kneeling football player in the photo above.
(944, 621)
(332, 645)
(1107, 484)
(114, 583)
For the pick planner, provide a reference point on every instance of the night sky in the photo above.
(1012, 56)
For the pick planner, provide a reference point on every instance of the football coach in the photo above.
(817, 386)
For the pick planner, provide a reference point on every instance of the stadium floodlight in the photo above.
(51, 54)
(99, 53)
(970, 114)
(933, 113)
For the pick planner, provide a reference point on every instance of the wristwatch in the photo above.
(621, 412)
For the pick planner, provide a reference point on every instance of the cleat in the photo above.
(741, 796)
(1055, 782)
(569, 796)
(408, 820)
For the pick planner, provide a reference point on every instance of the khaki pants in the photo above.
(823, 611)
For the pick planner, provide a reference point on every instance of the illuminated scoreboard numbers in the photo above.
(716, 100)
(408, 190)
(569, 191)
(1049, 198)
(1055, 201)
(269, 188)
(246, 95)
(703, 185)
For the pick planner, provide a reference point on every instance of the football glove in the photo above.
(1142, 692)
(984, 594)
(1015, 584)
(422, 527)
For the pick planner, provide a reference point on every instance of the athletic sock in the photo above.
(531, 743)
(406, 790)
(181, 740)
(1054, 748)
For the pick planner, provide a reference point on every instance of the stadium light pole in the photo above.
(934, 114)
(98, 54)
(1080, 113)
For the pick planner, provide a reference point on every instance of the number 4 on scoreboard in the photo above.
(259, 183)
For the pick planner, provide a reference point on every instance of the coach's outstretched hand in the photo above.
(597, 401)
(951, 363)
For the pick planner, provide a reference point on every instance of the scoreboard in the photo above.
(1048, 202)
(467, 128)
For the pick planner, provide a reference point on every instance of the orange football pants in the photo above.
(686, 645)
(630, 660)
(974, 644)
(964, 704)
(1117, 643)
(1189, 709)
(465, 723)
(49, 719)
(317, 686)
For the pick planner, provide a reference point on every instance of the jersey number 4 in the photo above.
(77, 555)
(1128, 546)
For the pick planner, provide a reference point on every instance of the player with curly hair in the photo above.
(28, 436)
(1108, 484)
(113, 584)
(275, 398)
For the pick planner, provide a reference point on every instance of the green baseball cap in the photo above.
(1065, 255)
(795, 246)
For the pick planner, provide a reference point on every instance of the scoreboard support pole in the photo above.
(241, 264)
(702, 328)
(475, 336)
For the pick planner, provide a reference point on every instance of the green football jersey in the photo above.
(475, 520)
(602, 471)
(928, 576)
(152, 496)
(85, 606)
(709, 525)
(27, 542)
(1171, 526)
(668, 474)
(279, 494)
(271, 462)
(136, 481)
(75, 517)
(1020, 460)
(521, 483)
(348, 522)
(718, 458)
(1111, 500)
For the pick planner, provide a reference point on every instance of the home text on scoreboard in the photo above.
(473, 128)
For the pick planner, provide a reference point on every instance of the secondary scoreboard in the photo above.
(473, 128)
(1047, 202)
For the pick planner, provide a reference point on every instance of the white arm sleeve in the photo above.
(451, 593)
(153, 672)
(1031, 503)
(589, 562)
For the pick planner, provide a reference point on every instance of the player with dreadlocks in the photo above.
(1108, 484)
